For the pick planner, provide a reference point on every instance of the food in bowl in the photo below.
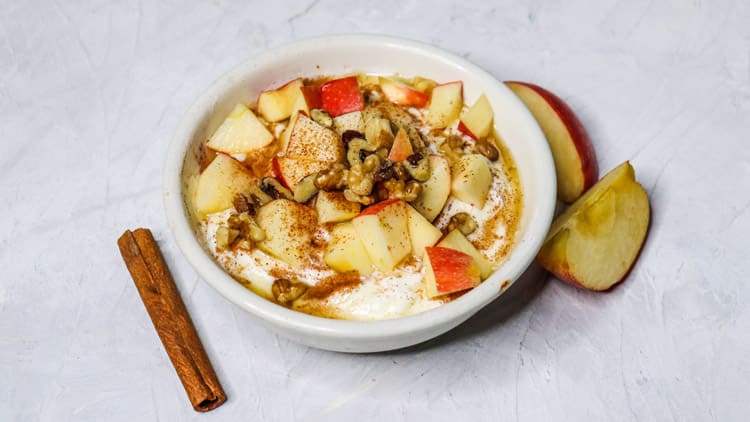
(358, 197)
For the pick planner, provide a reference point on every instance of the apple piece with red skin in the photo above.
(289, 171)
(401, 147)
(445, 105)
(401, 94)
(596, 241)
(277, 104)
(571, 147)
(307, 99)
(341, 96)
(477, 121)
(384, 231)
(448, 271)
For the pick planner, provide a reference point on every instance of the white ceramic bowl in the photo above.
(372, 54)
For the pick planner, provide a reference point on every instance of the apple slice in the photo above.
(445, 106)
(477, 121)
(596, 241)
(341, 96)
(290, 171)
(310, 141)
(448, 271)
(456, 240)
(436, 189)
(307, 99)
(219, 183)
(421, 232)
(277, 104)
(288, 226)
(384, 230)
(401, 147)
(471, 179)
(333, 207)
(572, 151)
(401, 94)
(346, 252)
(349, 121)
(240, 133)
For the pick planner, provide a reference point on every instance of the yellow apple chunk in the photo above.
(596, 241)
(278, 104)
(333, 207)
(421, 232)
(384, 230)
(349, 121)
(445, 106)
(288, 226)
(477, 121)
(471, 179)
(345, 251)
(456, 240)
(240, 133)
(436, 189)
(311, 141)
(219, 183)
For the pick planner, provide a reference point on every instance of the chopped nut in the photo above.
(378, 130)
(332, 179)
(225, 237)
(357, 150)
(242, 204)
(362, 199)
(486, 148)
(418, 166)
(322, 117)
(285, 291)
(463, 222)
(408, 191)
(274, 189)
(350, 135)
(359, 180)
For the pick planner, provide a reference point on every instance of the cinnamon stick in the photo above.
(170, 318)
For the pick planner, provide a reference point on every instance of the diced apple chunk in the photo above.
(291, 170)
(240, 133)
(219, 183)
(346, 252)
(310, 141)
(333, 207)
(401, 147)
(448, 271)
(276, 105)
(307, 100)
(471, 179)
(445, 104)
(477, 121)
(288, 226)
(384, 230)
(436, 189)
(456, 240)
(349, 121)
(401, 94)
(341, 96)
(421, 232)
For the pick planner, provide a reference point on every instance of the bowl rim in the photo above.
(522, 255)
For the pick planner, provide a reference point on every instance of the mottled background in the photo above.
(90, 93)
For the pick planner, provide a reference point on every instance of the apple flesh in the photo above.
(448, 271)
(421, 232)
(401, 94)
(477, 121)
(307, 99)
(445, 106)
(333, 207)
(346, 252)
(401, 147)
(384, 231)
(349, 121)
(288, 226)
(471, 180)
(436, 189)
(240, 133)
(290, 171)
(310, 141)
(219, 183)
(571, 147)
(456, 240)
(596, 241)
(277, 104)
(341, 96)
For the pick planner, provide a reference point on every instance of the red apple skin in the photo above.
(465, 130)
(452, 269)
(312, 97)
(276, 168)
(341, 96)
(403, 95)
(401, 148)
(376, 208)
(577, 133)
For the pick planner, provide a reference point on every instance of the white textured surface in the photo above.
(89, 96)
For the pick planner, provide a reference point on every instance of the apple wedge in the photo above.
(290, 171)
(445, 106)
(333, 207)
(456, 240)
(421, 232)
(349, 121)
(277, 104)
(341, 96)
(596, 241)
(571, 147)
(448, 271)
(384, 230)
(477, 121)
(401, 147)
(240, 133)
(307, 99)
(346, 252)
(219, 183)
(436, 189)
(288, 226)
(310, 141)
(401, 94)
(471, 179)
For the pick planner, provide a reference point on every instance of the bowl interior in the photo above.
(368, 54)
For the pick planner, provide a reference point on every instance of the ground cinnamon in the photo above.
(170, 318)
